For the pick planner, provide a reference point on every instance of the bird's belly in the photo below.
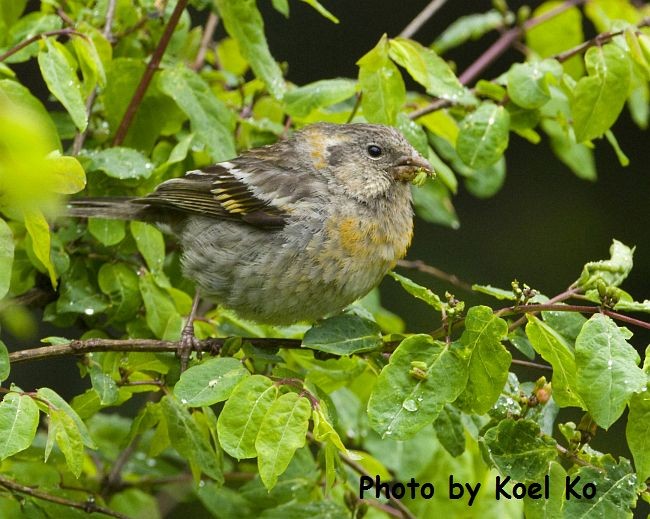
(304, 276)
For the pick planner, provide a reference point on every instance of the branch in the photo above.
(406, 513)
(420, 266)
(416, 24)
(79, 347)
(36, 37)
(596, 40)
(508, 38)
(88, 506)
(493, 52)
(208, 33)
(152, 66)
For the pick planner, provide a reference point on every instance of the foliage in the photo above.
(283, 422)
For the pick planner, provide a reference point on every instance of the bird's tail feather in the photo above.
(113, 208)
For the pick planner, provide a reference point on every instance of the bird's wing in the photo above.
(248, 189)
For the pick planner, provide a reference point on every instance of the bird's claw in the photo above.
(188, 344)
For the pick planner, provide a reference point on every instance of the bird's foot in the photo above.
(188, 344)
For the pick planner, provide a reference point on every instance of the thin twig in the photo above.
(420, 266)
(147, 76)
(87, 506)
(208, 33)
(36, 37)
(600, 39)
(80, 137)
(416, 24)
(508, 38)
(360, 470)
(567, 294)
(114, 477)
(530, 364)
(493, 52)
(79, 347)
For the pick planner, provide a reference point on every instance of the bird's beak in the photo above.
(411, 168)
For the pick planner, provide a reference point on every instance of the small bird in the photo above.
(289, 232)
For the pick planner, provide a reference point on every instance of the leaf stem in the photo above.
(147, 76)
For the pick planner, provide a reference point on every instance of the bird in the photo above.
(289, 232)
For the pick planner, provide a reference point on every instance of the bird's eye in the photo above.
(374, 151)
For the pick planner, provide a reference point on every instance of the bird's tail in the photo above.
(113, 208)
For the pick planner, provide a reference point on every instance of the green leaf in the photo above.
(27, 27)
(607, 369)
(567, 324)
(301, 101)
(324, 431)
(611, 272)
(244, 23)
(150, 243)
(433, 203)
(18, 423)
(499, 293)
(107, 232)
(62, 81)
(19, 96)
(119, 162)
(544, 40)
(211, 120)
(620, 154)
(321, 10)
(210, 382)
(577, 157)
(486, 182)
(430, 70)
(66, 174)
(104, 385)
(39, 231)
(450, 430)
(63, 430)
(470, 27)
(5, 365)
(422, 376)
(343, 335)
(557, 351)
(552, 507)
(637, 432)
(483, 135)
(162, 317)
(616, 491)
(120, 283)
(78, 294)
(418, 291)
(489, 360)
(242, 415)
(633, 306)
(53, 398)
(282, 432)
(10, 12)
(599, 98)
(89, 61)
(382, 86)
(6, 257)
(187, 439)
(518, 449)
(528, 82)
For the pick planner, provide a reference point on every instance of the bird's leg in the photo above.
(189, 342)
